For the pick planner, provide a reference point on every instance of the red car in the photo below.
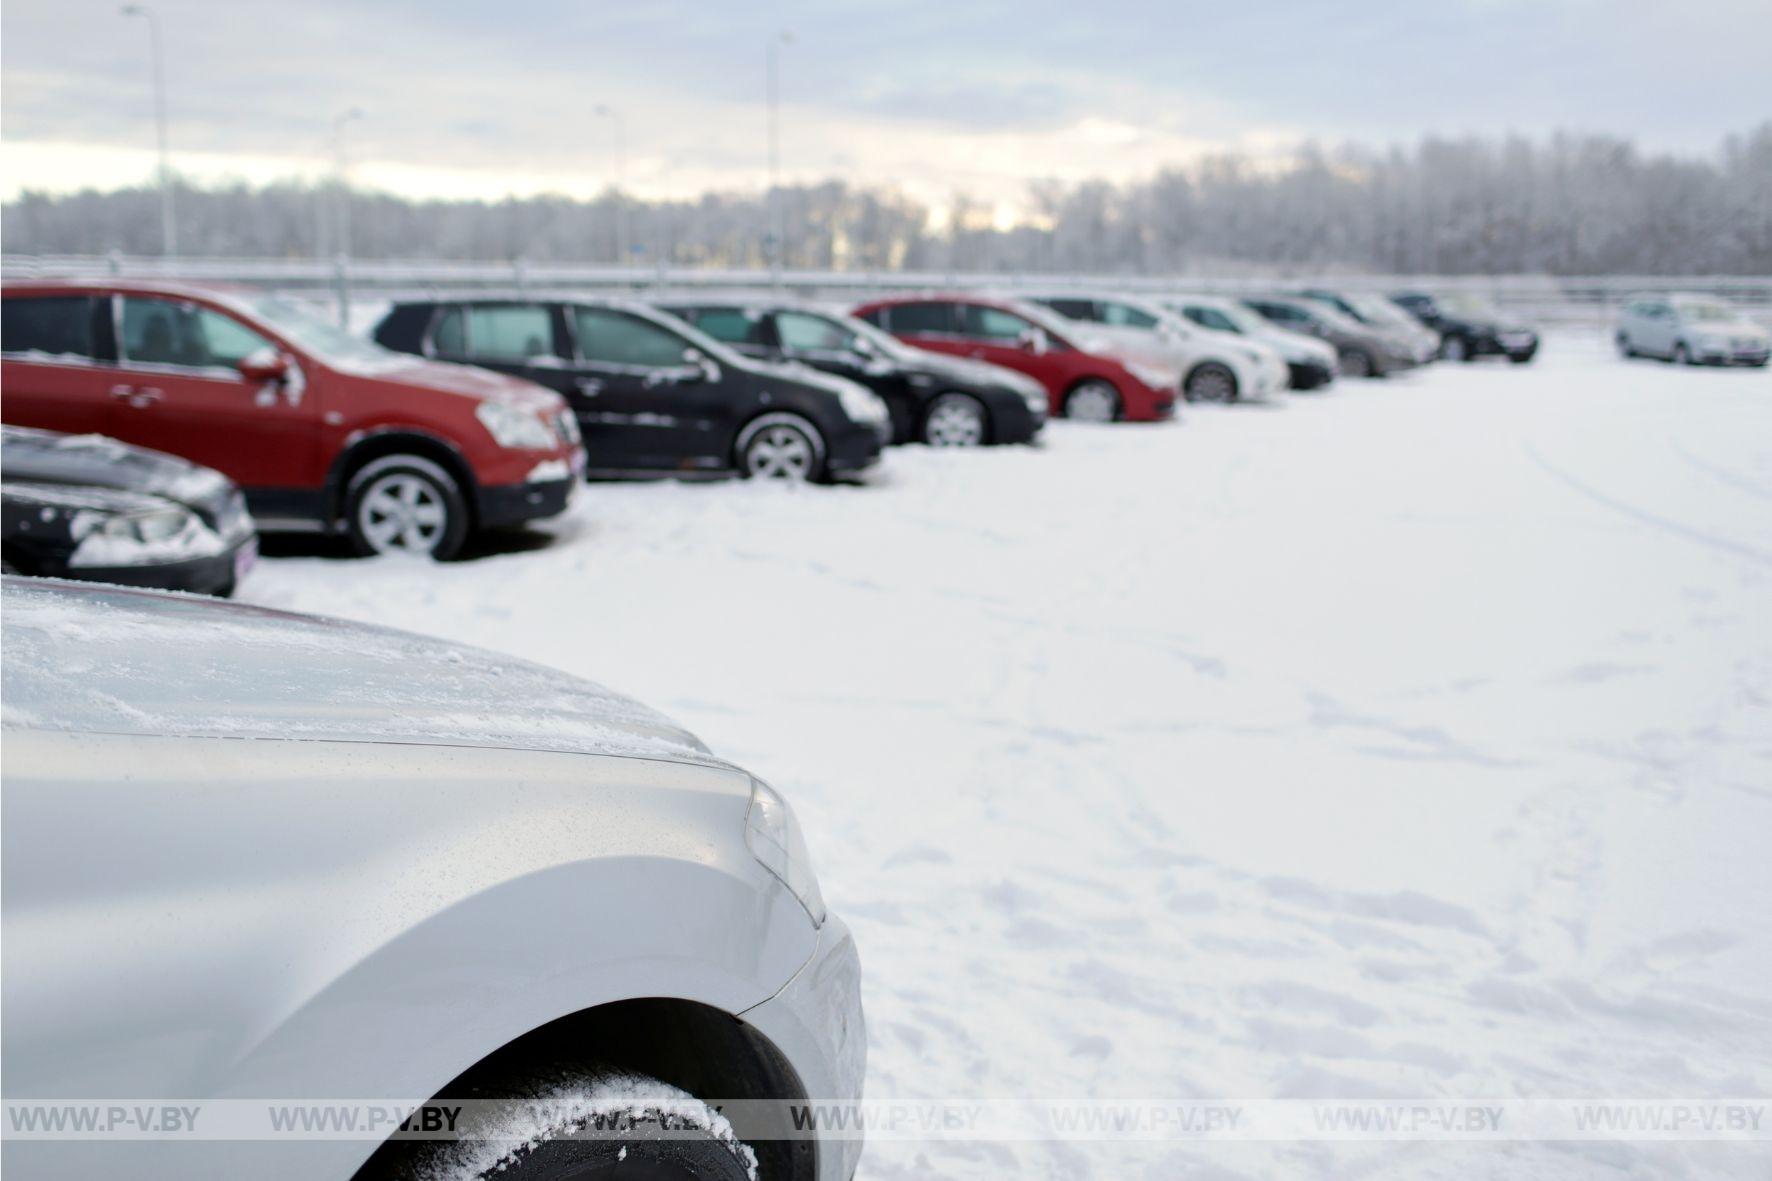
(1085, 378)
(323, 431)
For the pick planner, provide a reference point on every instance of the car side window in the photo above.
(728, 325)
(1124, 315)
(449, 335)
(936, 319)
(510, 332)
(176, 332)
(804, 333)
(55, 326)
(1073, 309)
(608, 336)
(1212, 318)
(988, 323)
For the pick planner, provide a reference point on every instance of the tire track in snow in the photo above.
(1643, 516)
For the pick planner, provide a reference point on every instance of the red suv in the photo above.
(1085, 377)
(323, 431)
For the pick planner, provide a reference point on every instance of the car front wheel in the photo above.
(1211, 382)
(780, 447)
(1093, 401)
(1454, 348)
(954, 420)
(405, 504)
(1356, 363)
(1625, 347)
(625, 1129)
(1682, 354)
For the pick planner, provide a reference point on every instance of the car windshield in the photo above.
(1710, 313)
(1374, 310)
(315, 335)
(1247, 322)
(692, 336)
(1470, 307)
(882, 342)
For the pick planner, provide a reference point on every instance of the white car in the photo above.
(1310, 362)
(260, 863)
(1215, 366)
(1691, 329)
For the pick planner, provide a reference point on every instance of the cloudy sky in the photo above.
(485, 99)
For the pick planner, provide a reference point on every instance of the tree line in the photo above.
(1561, 205)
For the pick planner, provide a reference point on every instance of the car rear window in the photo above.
(614, 337)
(921, 317)
(57, 325)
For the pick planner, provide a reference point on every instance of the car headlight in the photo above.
(861, 404)
(515, 427)
(141, 539)
(1153, 375)
(773, 837)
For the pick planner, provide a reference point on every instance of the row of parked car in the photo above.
(475, 413)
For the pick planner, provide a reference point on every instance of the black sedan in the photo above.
(939, 400)
(88, 507)
(1470, 327)
(654, 396)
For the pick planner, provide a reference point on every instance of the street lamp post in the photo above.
(772, 87)
(168, 224)
(617, 130)
(341, 164)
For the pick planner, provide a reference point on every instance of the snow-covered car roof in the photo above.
(109, 660)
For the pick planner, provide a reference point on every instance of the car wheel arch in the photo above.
(376, 444)
(764, 414)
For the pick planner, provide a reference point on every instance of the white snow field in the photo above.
(1410, 740)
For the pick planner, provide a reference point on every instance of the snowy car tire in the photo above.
(644, 1131)
(1357, 363)
(405, 504)
(1682, 355)
(780, 446)
(955, 420)
(1456, 348)
(1626, 349)
(1211, 382)
(1092, 401)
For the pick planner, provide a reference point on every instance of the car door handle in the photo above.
(139, 396)
(590, 387)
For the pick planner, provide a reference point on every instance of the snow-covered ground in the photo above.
(1409, 740)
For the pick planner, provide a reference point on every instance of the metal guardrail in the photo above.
(1545, 299)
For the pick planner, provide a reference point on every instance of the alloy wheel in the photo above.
(1093, 401)
(402, 512)
(954, 421)
(780, 453)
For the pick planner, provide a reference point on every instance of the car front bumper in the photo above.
(1310, 375)
(214, 574)
(857, 448)
(512, 504)
(816, 1022)
(1013, 420)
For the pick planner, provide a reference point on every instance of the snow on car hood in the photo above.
(49, 457)
(80, 658)
(1135, 344)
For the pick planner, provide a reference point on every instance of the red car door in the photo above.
(49, 362)
(178, 389)
(1003, 338)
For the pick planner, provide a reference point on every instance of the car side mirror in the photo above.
(265, 365)
(698, 366)
(1035, 341)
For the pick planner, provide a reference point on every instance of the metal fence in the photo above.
(346, 285)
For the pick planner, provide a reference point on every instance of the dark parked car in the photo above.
(324, 431)
(654, 395)
(1360, 350)
(88, 507)
(1470, 327)
(939, 400)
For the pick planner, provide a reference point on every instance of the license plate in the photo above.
(245, 558)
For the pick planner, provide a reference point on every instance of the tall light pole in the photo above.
(772, 86)
(341, 166)
(344, 211)
(617, 130)
(168, 224)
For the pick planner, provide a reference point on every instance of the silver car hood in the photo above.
(116, 661)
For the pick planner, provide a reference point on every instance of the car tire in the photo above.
(672, 1140)
(780, 446)
(1093, 400)
(1211, 382)
(1626, 349)
(956, 420)
(1682, 354)
(1455, 348)
(1356, 362)
(405, 504)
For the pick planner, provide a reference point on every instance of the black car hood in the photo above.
(958, 369)
(96, 462)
